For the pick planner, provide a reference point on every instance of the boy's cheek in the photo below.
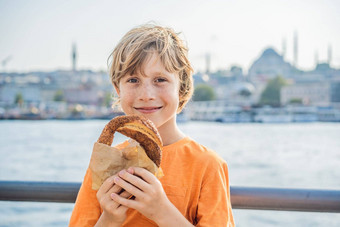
(126, 96)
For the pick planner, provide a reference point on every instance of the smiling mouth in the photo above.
(147, 109)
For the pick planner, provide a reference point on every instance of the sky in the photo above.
(37, 35)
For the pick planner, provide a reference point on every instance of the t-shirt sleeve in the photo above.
(214, 206)
(86, 211)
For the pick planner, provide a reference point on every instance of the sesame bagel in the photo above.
(138, 128)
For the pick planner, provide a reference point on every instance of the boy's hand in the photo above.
(113, 212)
(150, 198)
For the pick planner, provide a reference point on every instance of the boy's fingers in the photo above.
(124, 202)
(127, 186)
(125, 194)
(122, 209)
(134, 180)
(115, 189)
(106, 186)
(144, 174)
(107, 199)
(130, 170)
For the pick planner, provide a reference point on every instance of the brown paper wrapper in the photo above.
(107, 161)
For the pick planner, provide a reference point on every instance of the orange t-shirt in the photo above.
(195, 180)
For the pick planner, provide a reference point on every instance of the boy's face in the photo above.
(154, 95)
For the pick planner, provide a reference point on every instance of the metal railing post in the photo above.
(311, 200)
(63, 192)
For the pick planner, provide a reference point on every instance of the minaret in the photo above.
(316, 58)
(284, 48)
(74, 56)
(295, 49)
(207, 63)
(329, 54)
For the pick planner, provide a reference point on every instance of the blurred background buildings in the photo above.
(271, 89)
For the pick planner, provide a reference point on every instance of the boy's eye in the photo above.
(132, 80)
(160, 80)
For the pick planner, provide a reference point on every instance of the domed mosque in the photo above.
(269, 65)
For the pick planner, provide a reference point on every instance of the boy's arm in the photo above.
(86, 211)
(172, 217)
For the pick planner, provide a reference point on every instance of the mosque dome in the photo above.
(270, 52)
(269, 65)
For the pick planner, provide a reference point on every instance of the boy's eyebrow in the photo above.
(153, 74)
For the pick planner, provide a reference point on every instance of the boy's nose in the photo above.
(146, 93)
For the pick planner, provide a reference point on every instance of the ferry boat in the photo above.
(220, 111)
(303, 113)
(272, 115)
(328, 114)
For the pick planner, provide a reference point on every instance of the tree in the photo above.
(271, 94)
(203, 92)
(19, 99)
(59, 96)
(295, 101)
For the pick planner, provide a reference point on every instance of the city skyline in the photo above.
(39, 35)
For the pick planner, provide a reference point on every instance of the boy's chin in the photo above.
(148, 116)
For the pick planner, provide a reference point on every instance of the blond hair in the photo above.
(135, 47)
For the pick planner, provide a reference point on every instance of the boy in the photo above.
(153, 77)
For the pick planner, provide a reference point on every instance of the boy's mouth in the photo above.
(147, 110)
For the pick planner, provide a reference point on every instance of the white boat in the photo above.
(329, 114)
(303, 113)
(273, 115)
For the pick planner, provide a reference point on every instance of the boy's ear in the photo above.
(117, 90)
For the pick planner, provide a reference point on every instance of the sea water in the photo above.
(260, 155)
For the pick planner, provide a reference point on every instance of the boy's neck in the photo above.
(170, 133)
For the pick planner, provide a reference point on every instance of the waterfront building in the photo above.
(218, 110)
(335, 92)
(236, 93)
(88, 96)
(26, 86)
(231, 86)
(42, 86)
(308, 93)
(319, 87)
